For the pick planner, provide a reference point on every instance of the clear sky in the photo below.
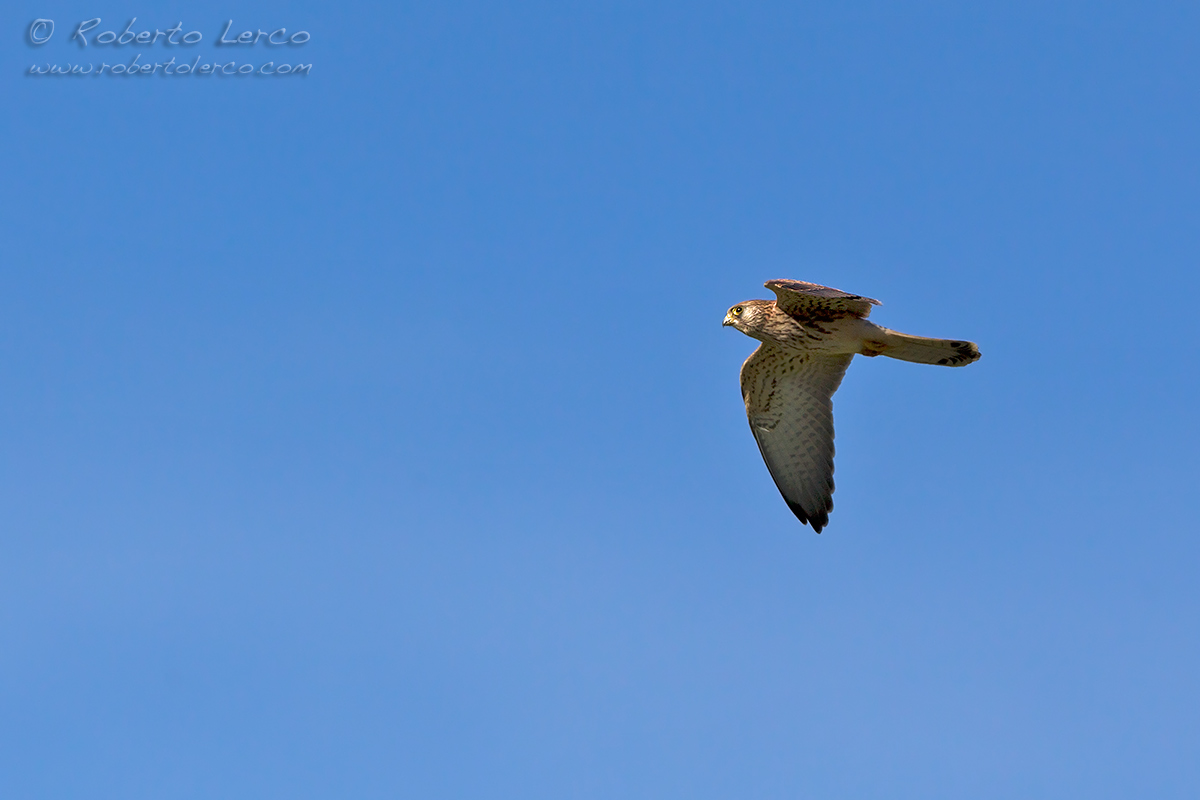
(372, 432)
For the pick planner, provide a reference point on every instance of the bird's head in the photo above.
(748, 317)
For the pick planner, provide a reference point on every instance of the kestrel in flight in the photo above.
(809, 333)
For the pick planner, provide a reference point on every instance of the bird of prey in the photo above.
(809, 333)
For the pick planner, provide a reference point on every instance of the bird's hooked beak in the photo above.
(728, 319)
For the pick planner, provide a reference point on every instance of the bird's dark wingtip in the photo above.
(818, 522)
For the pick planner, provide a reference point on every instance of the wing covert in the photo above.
(813, 301)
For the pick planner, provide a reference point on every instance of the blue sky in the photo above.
(373, 433)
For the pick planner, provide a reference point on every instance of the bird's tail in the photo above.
(921, 350)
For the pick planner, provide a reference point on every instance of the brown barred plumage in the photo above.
(809, 335)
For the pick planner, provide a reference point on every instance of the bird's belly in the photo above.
(830, 337)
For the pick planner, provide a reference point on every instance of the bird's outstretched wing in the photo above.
(789, 401)
(813, 301)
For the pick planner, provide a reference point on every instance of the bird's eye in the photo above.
(737, 311)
